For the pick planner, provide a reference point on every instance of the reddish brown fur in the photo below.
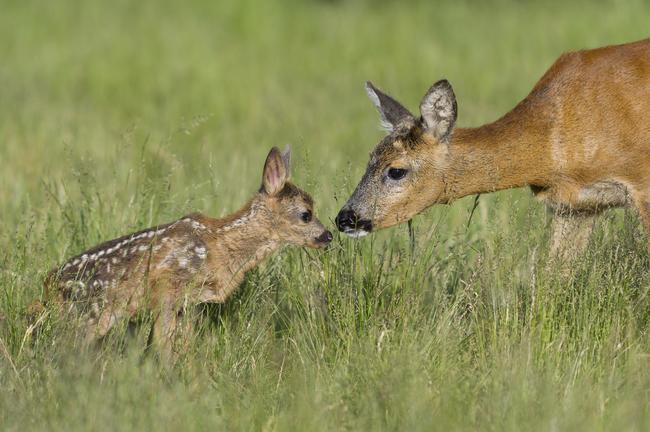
(580, 140)
(586, 120)
(192, 260)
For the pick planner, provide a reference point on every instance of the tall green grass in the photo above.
(116, 117)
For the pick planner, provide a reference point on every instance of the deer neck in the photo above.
(246, 237)
(509, 153)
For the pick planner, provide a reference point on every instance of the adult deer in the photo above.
(580, 140)
(195, 259)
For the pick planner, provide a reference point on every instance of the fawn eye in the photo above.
(306, 216)
(396, 173)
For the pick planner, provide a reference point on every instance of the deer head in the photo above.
(290, 209)
(406, 170)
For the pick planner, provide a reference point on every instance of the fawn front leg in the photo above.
(172, 331)
(97, 328)
(184, 331)
(174, 321)
(164, 330)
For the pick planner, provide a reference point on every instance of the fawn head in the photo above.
(405, 173)
(290, 208)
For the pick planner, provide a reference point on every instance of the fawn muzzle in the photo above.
(324, 239)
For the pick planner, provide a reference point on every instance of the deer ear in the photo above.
(275, 173)
(438, 110)
(392, 112)
(286, 158)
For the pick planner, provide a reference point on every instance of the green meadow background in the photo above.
(119, 115)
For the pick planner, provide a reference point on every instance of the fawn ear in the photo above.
(275, 173)
(392, 112)
(438, 110)
(286, 158)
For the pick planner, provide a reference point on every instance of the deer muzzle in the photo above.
(348, 222)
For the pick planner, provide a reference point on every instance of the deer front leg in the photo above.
(569, 238)
(642, 203)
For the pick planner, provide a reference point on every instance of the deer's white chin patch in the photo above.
(356, 233)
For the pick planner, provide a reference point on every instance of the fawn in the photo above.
(580, 140)
(195, 259)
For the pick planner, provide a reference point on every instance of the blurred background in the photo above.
(115, 116)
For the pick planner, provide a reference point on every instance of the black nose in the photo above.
(326, 237)
(348, 220)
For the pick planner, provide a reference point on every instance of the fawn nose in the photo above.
(325, 238)
(348, 220)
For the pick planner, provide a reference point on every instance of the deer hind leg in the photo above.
(570, 237)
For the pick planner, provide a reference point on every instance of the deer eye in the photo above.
(396, 173)
(306, 216)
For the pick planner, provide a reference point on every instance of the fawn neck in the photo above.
(511, 152)
(246, 237)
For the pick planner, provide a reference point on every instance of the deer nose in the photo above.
(348, 220)
(326, 237)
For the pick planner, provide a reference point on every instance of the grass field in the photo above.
(114, 117)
